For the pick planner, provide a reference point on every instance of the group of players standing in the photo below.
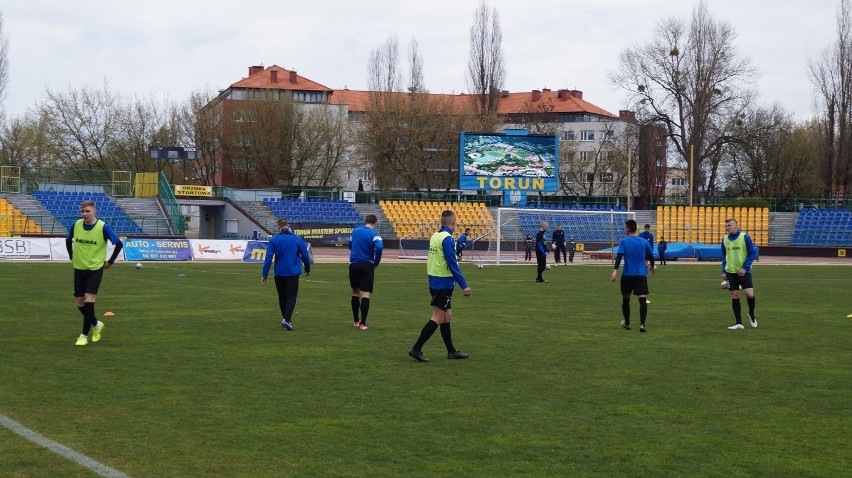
(87, 243)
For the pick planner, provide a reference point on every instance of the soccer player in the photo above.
(738, 253)
(572, 247)
(444, 273)
(461, 244)
(528, 248)
(87, 245)
(646, 234)
(634, 278)
(366, 252)
(661, 250)
(289, 252)
(541, 251)
(559, 241)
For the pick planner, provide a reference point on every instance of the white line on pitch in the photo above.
(60, 449)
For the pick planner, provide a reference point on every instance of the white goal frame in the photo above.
(595, 230)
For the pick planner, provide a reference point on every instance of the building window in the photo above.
(587, 135)
(586, 156)
(658, 181)
(659, 141)
(605, 177)
(603, 155)
(568, 135)
(307, 96)
(610, 135)
(678, 182)
(589, 177)
(659, 162)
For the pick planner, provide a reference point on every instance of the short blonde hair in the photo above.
(87, 203)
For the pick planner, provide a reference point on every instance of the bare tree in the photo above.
(24, 142)
(410, 139)
(773, 157)
(201, 127)
(690, 79)
(4, 64)
(486, 70)
(831, 74)
(600, 167)
(83, 125)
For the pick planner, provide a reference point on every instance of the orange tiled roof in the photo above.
(264, 79)
(357, 101)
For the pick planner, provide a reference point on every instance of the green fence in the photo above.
(177, 223)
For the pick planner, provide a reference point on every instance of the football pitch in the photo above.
(194, 375)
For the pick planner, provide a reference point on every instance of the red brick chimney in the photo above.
(576, 94)
(253, 70)
(274, 74)
(627, 115)
(293, 77)
(562, 94)
(536, 95)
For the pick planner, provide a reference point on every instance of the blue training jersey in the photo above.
(635, 250)
(366, 246)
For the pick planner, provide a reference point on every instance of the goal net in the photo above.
(504, 240)
(595, 233)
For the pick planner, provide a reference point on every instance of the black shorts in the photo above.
(361, 276)
(87, 282)
(736, 282)
(638, 285)
(441, 298)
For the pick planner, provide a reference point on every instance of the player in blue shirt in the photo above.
(738, 253)
(366, 252)
(634, 278)
(541, 251)
(443, 271)
(646, 234)
(289, 252)
(87, 244)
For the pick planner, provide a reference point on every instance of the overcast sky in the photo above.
(169, 48)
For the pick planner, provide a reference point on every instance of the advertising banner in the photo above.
(323, 233)
(58, 251)
(24, 248)
(256, 252)
(157, 250)
(220, 250)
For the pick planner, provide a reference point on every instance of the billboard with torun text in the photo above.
(507, 162)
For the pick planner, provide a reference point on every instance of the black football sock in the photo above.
(447, 335)
(735, 304)
(750, 301)
(425, 334)
(643, 310)
(82, 310)
(625, 310)
(356, 304)
(365, 307)
(89, 319)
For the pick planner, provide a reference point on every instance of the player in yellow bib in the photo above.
(738, 253)
(443, 269)
(87, 245)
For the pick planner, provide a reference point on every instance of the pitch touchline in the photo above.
(60, 449)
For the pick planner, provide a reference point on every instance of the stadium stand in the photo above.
(14, 223)
(419, 219)
(823, 227)
(583, 227)
(314, 211)
(65, 207)
(706, 225)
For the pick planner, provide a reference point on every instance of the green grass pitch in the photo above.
(195, 377)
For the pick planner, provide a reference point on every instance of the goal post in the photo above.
(593, 231)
